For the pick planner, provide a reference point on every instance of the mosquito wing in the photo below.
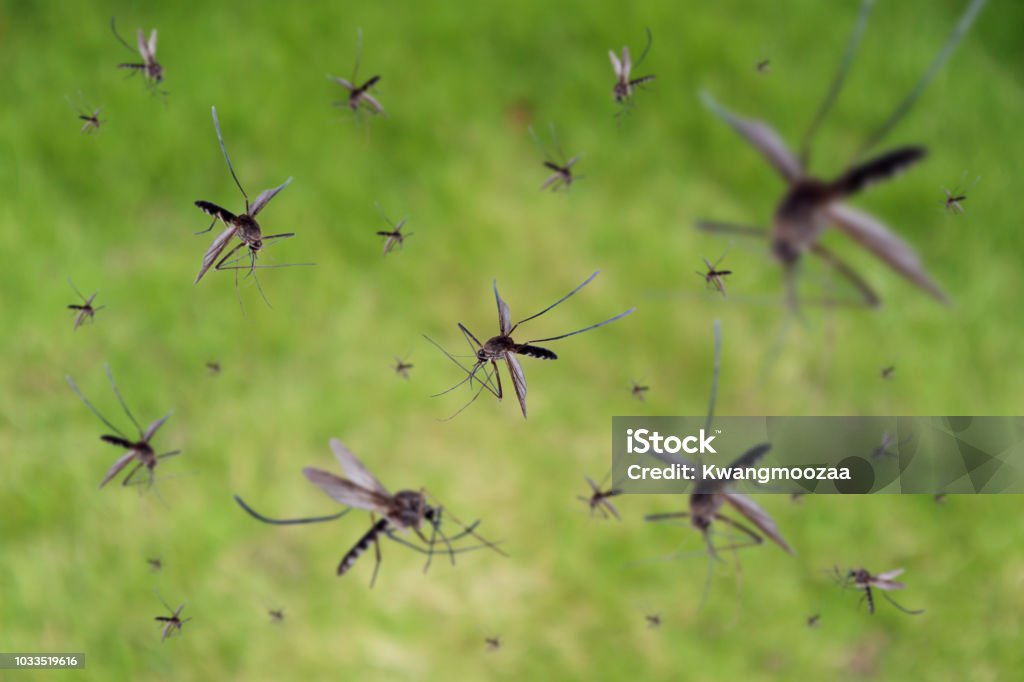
(120, 464)
(343, 83)
(616, 64)
(154, 427)
(758, 517)
(265, 196)
(515, 370)
(374, 104)
(355, 469)
(504, 316)
(627, 63)
(762, 137)
(212, 253)
(884, 581)
(140, 39)
(152, 45)
(346, 492)
(877, 238)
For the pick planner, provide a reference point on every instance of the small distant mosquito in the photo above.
(883, 448)
(939, 498)
(639, 391)
(625, 84)
(796, 497)
(213, 368)
(402, 367)
(172, 622)
(863, 580)
(764, 66)
(155, 564)
(276, 615)
(359, 95)
(653, 620)
(139, 451)
(243, 226)
(403, 511)
(394, 236)
(562, 177)
(149, 67)
(503, 347)
(600, 499)
(954, 199)
(91, 120)
(714, 277)
(493, 643)
(814, 620)
(85, 311)
(888, 371)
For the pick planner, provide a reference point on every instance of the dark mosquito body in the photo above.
(639, 391)
(554, 160)
(149, 67)
(402, 367)
(814, 620)
(713, 277)
(939, 498)
(600, 499)
(653, 620)
(155, 564)
(136, 450)
(862, 579)
(89, 115)
(887, 372)
(394, 237)
(504, 348)
(493, 643)
(404, 511)
(172, 622)
(955, 198)
(812, 204)
(213, 368)
(243, 226)
(276, 615)
(358, 96)
(625, 84)
(764, 66)
(84, 311)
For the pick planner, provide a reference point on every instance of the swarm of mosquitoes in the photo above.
(810, 204)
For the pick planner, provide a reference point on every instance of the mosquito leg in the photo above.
(172, 453)
(287, 522)
(377, 556)
(131, 474)
(124, 405)
(910, 612)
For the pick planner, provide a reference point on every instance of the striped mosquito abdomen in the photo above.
(535, 352)
(360, 547)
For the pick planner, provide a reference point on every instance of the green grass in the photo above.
(114, 212)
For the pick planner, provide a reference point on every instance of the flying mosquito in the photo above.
(863, 580)
(639, 391)
(562, 175)
(625, 84)
(149, 67)
(91, 120)
(887, 372)
(600, 499)
(172, 622)
(404, 511)
(811, 204)
(763, 66)
(359, 95)
(155, 564)
(493, 643)
(814, 620)
(394, 236)
(503, 347)
(243, 226)
(402, 367)
(85, 311)
(883, 449)
(714, 277)
(139, 451)
(276, 615)
(653, 620)
(954, 200)
(213, 368)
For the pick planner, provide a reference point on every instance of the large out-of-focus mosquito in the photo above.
(359, 97)
(811, 204)
(599, 499)
(503, 347)
(562, 175)
(172, 622)
(713, 277)
(243, 226)
(862, 579)
(400, 512)
(90, 115)
(84, 311)
(140, 451)
(149, 67)
(954, 199)
(393, 237)
(625, 84)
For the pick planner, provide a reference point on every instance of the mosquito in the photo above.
(814, 620)
(764, 66)
(140, 451)
(149, 67)
(402, 367)
(562, 175)
(600, 499)
(85, 311)
(882, 450)
(404, 511)
(359, 95)
(714, 277)
(653, 621)
(394, 236)
(811, 204)
(155, 564)
(625, 84)
(639, 391)
(862, 579)
(276, 615)
(503, 347)
(243, 226)
(91, 120)
(954, 200)
(172, 622)
(213, 368)
(887, 372)
(493, 643)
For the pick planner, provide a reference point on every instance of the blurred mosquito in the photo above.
(406, 510)
(155, 564)
(402, 367)
(887, 372)
(503, 347)
(359, 95)
(394, 236)
(172, 622)
(653, 620)
(861, 579)
(213, 368)
(954, 200)
(625, 84)
(91, 120)
(764, 66)
(600, 499)
(883, 448)
(276, 615)
(243, 226)
(85, 311)
(139, 451)
(939, 498)
(811, 204)
(493, 643)
(814, 620)
(714, 277)
(149, 67)
(562, 177)
(639, 391)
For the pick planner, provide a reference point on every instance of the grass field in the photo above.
(462, 82)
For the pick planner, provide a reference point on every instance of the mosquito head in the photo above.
(156, 72)
(410, 508)
(701, 522)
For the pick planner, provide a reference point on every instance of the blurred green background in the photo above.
(462, 82)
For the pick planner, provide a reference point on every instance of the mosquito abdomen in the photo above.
(536, 352)
(364, 544)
